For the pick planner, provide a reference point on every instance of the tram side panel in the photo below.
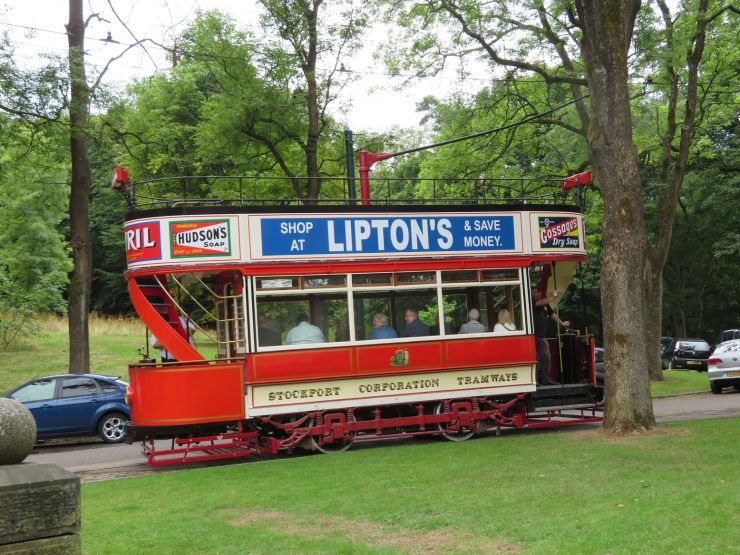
(337, 378)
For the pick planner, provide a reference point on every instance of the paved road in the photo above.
(92, 456)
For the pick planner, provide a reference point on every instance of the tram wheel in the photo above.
(335, 446)
(456, 435)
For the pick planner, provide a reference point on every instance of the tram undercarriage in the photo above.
(334, 431)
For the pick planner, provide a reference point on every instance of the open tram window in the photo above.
(493, 304)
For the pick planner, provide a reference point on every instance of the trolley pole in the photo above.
(350, 155)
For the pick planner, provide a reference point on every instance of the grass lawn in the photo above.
(672, 491)
(680, 381)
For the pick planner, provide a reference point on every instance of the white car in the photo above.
(724, 366)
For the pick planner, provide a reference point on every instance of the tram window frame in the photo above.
(284, 297)
(394, 290)
(449, 288)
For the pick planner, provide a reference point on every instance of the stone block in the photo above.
(38, 501)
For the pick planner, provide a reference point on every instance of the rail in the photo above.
(230, 191)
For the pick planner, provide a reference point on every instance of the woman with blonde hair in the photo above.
(504, 322)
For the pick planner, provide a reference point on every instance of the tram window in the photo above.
(364, 280)
(452, 276)
(328, 312)
(324, 281)
(489, 300)
(506, 274)
(415, 278)
(277, 283)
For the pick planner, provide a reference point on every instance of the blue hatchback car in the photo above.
(76, 405)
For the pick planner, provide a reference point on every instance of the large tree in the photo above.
(79, 112)
(584, 48)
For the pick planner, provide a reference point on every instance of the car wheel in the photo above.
(716, 388)
(670, 365)
(112, 428)
(663, 364)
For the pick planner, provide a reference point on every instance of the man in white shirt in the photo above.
(163, 353)
(304, 332)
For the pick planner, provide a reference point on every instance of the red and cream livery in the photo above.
(244, 272)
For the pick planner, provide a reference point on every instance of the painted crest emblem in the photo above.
(400, 358)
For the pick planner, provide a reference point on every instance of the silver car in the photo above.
(724, 366)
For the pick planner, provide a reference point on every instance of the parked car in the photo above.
(76, 404)
(689, 353)
(665, 354)
(724, 366)
(728, 335)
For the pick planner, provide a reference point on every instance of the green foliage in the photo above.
(702, 294)
(34, 259)
(20, 306)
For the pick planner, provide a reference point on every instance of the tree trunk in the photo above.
(81, 280)
(607, 33)
(653, 305)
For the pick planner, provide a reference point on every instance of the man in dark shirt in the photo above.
(413, 327)
(541, 312)
(267, 337)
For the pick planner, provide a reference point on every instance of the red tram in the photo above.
(327, 324)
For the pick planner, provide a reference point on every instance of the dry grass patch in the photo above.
(441, 540)
(604, 435)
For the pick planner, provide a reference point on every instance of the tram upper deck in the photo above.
(195, 222)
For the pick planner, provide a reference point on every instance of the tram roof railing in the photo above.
(231, 191)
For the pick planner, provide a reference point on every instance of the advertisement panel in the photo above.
(200, 238)
(143, 242)
(342, 236)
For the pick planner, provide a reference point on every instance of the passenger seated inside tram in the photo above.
(267, 336)
(304, 332)
(473, 325)
(504, 323)
(381, 329)
(414, 327)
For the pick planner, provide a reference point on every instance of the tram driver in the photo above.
(541, 313)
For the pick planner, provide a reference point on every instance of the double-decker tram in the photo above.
(321, 325)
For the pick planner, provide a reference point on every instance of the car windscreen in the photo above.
(729, 347)
(694, 346)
